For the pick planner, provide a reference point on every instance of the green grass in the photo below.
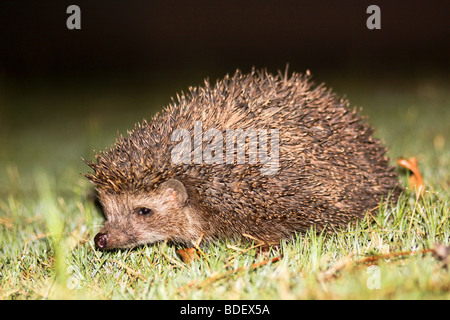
(48, 220)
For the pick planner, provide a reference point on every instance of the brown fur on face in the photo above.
(171, 217)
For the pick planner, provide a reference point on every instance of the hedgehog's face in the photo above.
(134, 219)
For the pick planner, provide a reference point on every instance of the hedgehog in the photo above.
(204, 167)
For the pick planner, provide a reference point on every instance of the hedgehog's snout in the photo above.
(101, 240)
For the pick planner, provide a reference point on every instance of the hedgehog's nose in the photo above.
(101, 240)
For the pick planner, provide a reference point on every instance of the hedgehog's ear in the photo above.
(175, 190)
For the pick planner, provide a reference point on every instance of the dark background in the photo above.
(120, 39)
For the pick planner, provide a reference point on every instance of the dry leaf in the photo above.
(415, 180)
(188, 254)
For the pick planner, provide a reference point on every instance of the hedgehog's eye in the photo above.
(145, 211)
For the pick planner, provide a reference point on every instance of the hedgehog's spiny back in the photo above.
(233, 103)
